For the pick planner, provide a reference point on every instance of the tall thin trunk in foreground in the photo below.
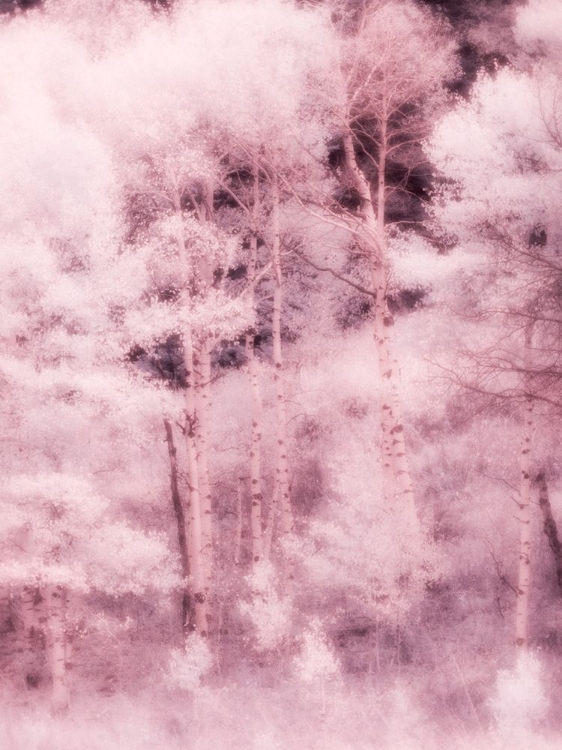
(524, 513)
(282, 467)
(202, 382)
(181, 525)
(239, 512)
(257, 406)
(195, 532)
(197, 549)
(396, 472)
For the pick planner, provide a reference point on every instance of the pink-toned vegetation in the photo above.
(280, 371)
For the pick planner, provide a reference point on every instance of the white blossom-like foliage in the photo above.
(188, 666)
(316, 661)
(269, 611)
(520, 700)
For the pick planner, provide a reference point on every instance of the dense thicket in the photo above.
(281, 373)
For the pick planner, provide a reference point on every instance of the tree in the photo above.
(501, 205)
(68, 399)
(378, 118)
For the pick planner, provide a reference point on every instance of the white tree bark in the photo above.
(57, 646)
(197, 549)
(396, 473)
(282, 467)
(202, 381)
(239, 517)
(195, 531)
(524, 513)
(255, 452)
(257, 405)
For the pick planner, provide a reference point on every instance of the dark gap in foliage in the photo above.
(13, 6)
(165, 361)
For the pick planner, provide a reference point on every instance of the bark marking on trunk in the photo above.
(524, 516)
(57, 647)
(256, 492)
(549, 527)
(396, 472)
(196, 548)
(282, 468)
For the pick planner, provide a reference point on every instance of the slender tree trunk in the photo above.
(524, 515)
(10, 643)
(282, 468)
(196, 549)
(202, 379)
(186, 614)
(401, 468)
(57, 647)
(272, 514)
(549, 527)
(255, 452)
(383, 319)
(34, 619)
(396, 473)
(202, 373)
(257, 405)
(239, 518)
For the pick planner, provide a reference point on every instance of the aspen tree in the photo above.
(380, 83)
(279, 503)
(282, 466)
(185, 225)
(256, 493)
(504, 209)
(197, 551)
(262, 120)
(524, 513)
(202, 384)
(396, 473)
(279, 507)
(239, 521)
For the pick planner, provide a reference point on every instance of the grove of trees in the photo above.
(281, 374)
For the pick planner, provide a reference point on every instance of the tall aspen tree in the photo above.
(396, 474)
(524, 512)
(239, 520)
(202, 381)
(251, 205)
(256, 493)
(381, 88)
(282, 465)
(195, 526)
(196, 548)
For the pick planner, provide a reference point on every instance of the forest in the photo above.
(280, 374)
